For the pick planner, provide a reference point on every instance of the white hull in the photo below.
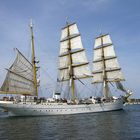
(33, 109)
(6, 102)
(4, 108)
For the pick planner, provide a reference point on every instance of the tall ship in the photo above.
(73, 66)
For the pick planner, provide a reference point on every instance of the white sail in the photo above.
(19, 79)
(104, 51)
(72, 31)
(71, 44)
(76, 44)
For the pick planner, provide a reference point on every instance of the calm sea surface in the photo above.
(117, 125)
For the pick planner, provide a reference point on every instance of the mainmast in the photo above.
(70, 65)
(33, 60)
(73, 64)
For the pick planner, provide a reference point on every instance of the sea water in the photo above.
(115, 125)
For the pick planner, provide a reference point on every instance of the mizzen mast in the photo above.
(33, 60)
(21, 76)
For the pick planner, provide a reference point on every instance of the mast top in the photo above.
(100, 32)
(67, 21)
(31, 23)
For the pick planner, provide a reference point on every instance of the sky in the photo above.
(119, 18)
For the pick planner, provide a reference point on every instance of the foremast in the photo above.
(105, 63)
(73, 64)
(105, 83)
(33, 60)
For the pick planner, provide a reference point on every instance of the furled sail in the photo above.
(105, 60)
(19, 78)
(72, 51)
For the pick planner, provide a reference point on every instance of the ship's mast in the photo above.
(33, 59)
(72, 83)
(73, 64)
(105, 84)
(105, 63)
